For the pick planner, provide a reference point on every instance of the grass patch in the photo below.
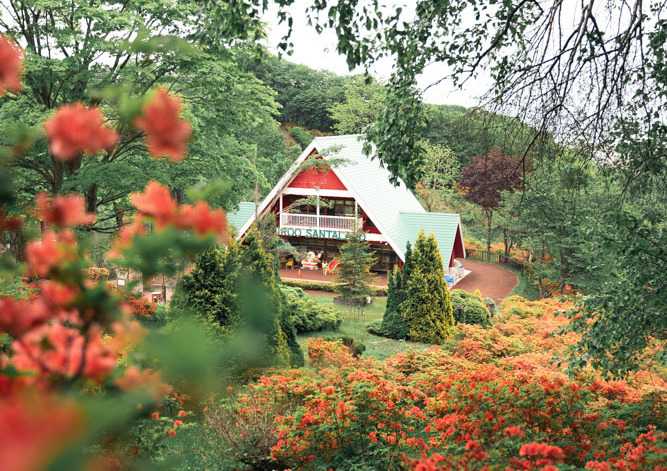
(525, 288)
(354, 325)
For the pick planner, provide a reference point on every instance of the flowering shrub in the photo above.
(494, 399)
(141, 307)
(72, 368)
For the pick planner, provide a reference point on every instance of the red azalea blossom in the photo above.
(155, 416)
(57, 349)
(514, 431)
(172, 433)
(11, 65)
(64, 211)
(47, 253)
(11, 223)
(34, 430)
(18, 317)
(541, 449)
(75, 129)
(147, 380)
(182, 413)
(166, 132)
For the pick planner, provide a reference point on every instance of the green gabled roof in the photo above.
(443, 225)
(241, 216)
(369, 182)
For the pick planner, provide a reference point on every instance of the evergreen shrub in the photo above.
(235, 288)
(306, 314)
(469, 308)
(393, 325)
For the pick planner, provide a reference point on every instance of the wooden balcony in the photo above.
(313, 221)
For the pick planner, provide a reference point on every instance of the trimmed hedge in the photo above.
(306, 314)
(469, 308)
(328, 287)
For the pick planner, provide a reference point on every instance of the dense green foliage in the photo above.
(300, 136)
(539, 78)
(235, 290)
(84, 53)
(363, 101)
(306, 314)
(305, 95)
(469, 308)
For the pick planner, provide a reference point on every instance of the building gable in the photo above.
(394, 210)
(319, 176)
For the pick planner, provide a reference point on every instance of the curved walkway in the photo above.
(492, 280)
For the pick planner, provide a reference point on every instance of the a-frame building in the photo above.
(354, 191)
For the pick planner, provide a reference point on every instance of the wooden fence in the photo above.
(495, 257)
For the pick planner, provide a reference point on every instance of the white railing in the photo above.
(338, 223)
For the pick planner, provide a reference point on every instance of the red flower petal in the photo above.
(156, 202)
(64, 210)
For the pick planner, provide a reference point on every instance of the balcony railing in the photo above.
(337, 223)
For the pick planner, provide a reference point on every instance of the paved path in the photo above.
(492, 280)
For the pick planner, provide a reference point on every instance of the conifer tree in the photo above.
(354, 275)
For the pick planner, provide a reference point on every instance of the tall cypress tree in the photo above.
(261, 299)
(426, 304)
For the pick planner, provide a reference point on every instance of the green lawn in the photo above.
(354, 325)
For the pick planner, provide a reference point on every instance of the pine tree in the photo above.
(354, 274)
(210, 289)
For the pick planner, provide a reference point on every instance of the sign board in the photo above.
(313, 233)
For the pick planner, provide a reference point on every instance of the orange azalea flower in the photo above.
(204, 221)
(125, 238)
(156, 202)
(166, 132)
(75, 129)
(147, 379)
(18, 317)
(11, 65)
(57, 349)
(11, 223)
(64, 210)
